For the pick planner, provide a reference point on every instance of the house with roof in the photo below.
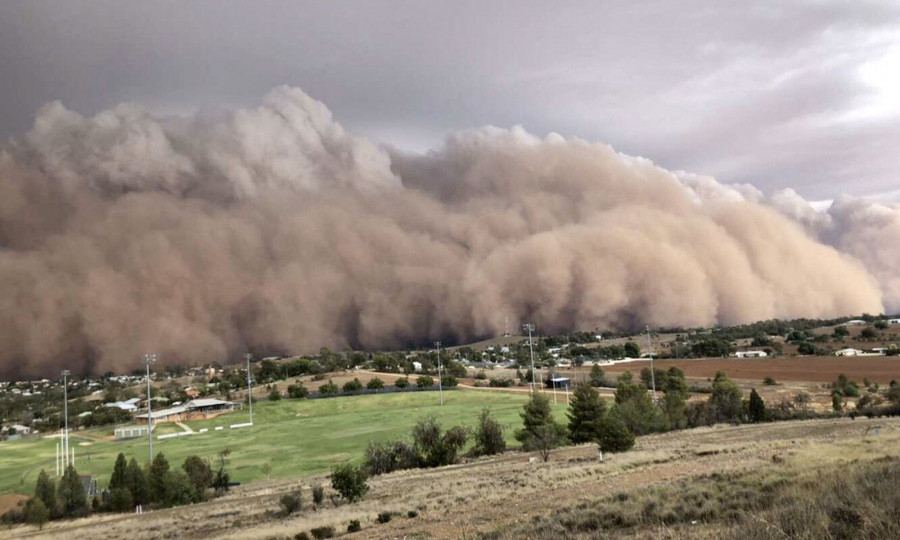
(197, 409)
(848, 352)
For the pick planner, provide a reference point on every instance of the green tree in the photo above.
(71, 494)
(632, 350)
(177, 489)
(540, 430)
(36, 513)
(488, 435)
(757, 408)
(675, 400)
(200, 475)
(297, 391)
(437, 449)
(598, 377)
(349, 481)
(402, 382)
(424, 381)
(117, 480)
(45, 490)
(353, 386)
(375, 384)
(614, 434)
(586, 412)
(274, 395)
(156, 479)
(120, 500)
(725, 402)
(136, 483)
(328, 389)
(836, 402)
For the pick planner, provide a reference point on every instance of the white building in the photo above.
(848, 352)
(855, 322)
(893, 321)
(751, 354)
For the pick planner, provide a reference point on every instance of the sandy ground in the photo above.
(461, 500)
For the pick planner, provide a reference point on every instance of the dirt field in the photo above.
(463, 500)
(9, 501)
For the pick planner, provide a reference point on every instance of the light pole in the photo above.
(440, 379)
(652, 373)
(249, 356)
(149, 359)
(65, 375)
(530, 328)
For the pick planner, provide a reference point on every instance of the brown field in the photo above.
(8, 501)
(880, 369)
(484, 495)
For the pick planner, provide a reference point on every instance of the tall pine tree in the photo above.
(136, 482)
(118, 475)
(71, 493)
(586, 412)
(757, 409)
(156, 479)
(45, 490)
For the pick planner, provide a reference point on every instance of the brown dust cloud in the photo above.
(273, 230)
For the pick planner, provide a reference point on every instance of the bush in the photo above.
(297, 391)
(449, 381)
(354, 526)
(614, 434)
(274, 395)
(488, 435)
(120, 500)
(353, 386)
(402, 382)
(769, 381)
(301, 536)
(481, 375)
(437, 449)
(375, 384)
(318, 495)
(424, 381)
(322, 532)
(36, 513)
(349, 481)
(411, 514)
(500, 383)
(540, 431)
(386, 457)
(328, 389)
(291, 502)
(384, 517)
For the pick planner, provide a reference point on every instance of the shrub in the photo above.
(481, 375)
(297, 391)
(402, 382)
(322, 532)
(412, 514)
(437, 449)
(274, 395)
(301, 536)
(375, 384)
(500, 383)
(424, 381)
(354, 526)
(328, 389)
(488, 435)
(757, 407)
(769, 381)
(614, 434)
(353, 386)
(318, 495)
(384, 517)
(291, 502)
(386, 457)
(349, 481)
(449, 381)
(36, 513)
(120, 500)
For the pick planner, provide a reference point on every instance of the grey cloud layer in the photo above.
(765, 92)
(272, 229)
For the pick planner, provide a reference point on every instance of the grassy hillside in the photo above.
(296, 436)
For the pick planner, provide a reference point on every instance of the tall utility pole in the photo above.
(249, 357)
(530, 328)
(440, 378)
(652, 373)
(149, 359)
(65, 375)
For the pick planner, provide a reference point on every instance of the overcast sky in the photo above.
(777, 94)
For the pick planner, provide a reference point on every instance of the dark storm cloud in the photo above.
(767, 92)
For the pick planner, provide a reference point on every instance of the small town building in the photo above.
(751, 354)
(197, 409)
(848, 352)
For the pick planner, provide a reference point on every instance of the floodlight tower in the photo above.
(530, 328)
(65, 374)
(149, 359)
(652, 373)
(249, 357)
(440, 378)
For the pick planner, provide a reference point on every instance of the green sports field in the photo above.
(296, 437)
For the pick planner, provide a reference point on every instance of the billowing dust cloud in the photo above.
(275, 231)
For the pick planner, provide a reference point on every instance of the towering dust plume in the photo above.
(274, 230)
